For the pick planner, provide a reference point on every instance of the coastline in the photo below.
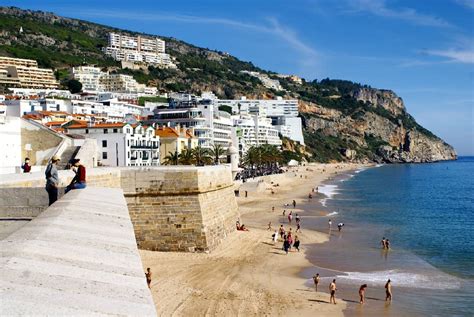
(247, 274)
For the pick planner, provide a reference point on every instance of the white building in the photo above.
(112, 109)
(138, 49)
(282, 112)
(121, 144)
(266, 81)
(89, 77)
(10, 143)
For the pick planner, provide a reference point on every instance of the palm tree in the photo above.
(172, 158)
(201, 156)
(217, 152)
(186, 157)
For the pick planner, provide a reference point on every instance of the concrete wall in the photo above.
(88, 153)
(10, 145)
(79, 257)
(43, 142)
(172, 208)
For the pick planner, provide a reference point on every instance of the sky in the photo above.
(423, 50)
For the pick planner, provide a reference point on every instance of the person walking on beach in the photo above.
(296, 244)
(316, 279)
(330, 224)
(362, 293)
(340, 225)
(282, 231)
(286, 245)
(332, 290)
(388, 291)
(290, 217)
(148, 277)
(298, 227)
(275, 236)
(269, 226)
(297, 218)
(52, 179)
(294, 203)
(284, 212)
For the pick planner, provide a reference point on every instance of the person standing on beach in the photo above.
(332, 290)
(340, 225)
(297, 219)
(52, 179)
(269, 226)
(294, 203)
(284, 212)
(383, 243)
(290, 217)
(330, 224)
(387, 244)
(362, 293)
(296, 244)
(316, 279)
(148, 277)
(388, 291)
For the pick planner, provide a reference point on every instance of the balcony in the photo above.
(148, 147)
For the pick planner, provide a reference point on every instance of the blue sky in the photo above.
(423, 50)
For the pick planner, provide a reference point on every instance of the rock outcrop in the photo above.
(390, 136)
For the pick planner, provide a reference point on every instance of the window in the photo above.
(128, 142)
(115, 130)
(106, 131)
(87, 131)
(104, 143)
(104, 155)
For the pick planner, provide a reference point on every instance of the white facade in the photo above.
(89, 77)
(123, 144)
(10, 144)
(112, 109)
(282, 112)
(138, 49)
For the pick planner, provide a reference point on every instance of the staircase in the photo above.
(68, 155)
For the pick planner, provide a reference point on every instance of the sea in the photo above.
(427, 213)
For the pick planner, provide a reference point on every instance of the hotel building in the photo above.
(24, 73)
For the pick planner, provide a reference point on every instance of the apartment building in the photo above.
(121, 144)
(89, 77)
(138, 49)
(24, 73)
(113, 110)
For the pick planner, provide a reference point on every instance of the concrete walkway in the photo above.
(78, 257)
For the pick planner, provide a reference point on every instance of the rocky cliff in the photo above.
(379, 130)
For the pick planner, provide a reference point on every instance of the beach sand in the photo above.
(247, 274)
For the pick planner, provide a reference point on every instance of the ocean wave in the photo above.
(328, 190)
(435, 280)
(332, 214)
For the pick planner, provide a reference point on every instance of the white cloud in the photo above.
(467, 3)
(459, 56)
(380, 8)
(273, 27)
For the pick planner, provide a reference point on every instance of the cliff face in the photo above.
(390, 136)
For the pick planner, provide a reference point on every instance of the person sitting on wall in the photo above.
(79, 181)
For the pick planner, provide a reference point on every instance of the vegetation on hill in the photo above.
(60, 43)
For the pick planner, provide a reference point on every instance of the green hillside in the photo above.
(60, 43)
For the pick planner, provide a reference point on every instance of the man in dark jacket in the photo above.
(52, 179)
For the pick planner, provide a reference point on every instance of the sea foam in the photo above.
(435, 280)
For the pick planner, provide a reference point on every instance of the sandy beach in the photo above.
(247, 274)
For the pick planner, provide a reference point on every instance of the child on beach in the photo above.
(148, 277)
(362, 293)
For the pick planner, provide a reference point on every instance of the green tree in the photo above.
(172, 158)
(74, 86)
(201, 156)
(186, 157)
(217, 152)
